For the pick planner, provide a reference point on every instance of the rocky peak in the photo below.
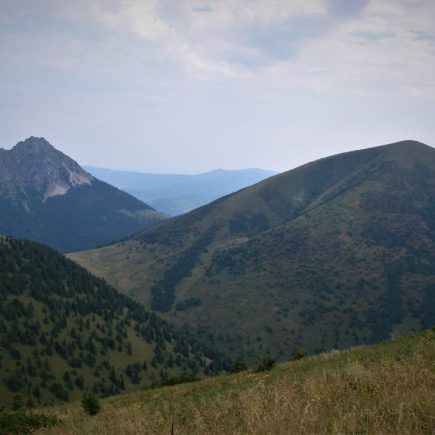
(34, 164)
(32, 145)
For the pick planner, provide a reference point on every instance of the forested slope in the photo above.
(64, 331)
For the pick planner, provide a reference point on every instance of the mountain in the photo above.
(174, 194)
(63, 331)
(47, 197)
(338, 252)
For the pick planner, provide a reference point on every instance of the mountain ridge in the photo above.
(347, 237)
(282, 209)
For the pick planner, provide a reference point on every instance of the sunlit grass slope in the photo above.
(387, 388)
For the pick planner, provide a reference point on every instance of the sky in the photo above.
(188, 86)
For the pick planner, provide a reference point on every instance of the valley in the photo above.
(175, 194)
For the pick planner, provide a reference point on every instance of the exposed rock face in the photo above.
(37, 164)
(47, 197)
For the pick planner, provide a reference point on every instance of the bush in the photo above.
(266, 362)
(183, 379)
(299, 353)
(91, 404)
(238, 367)
(17, 403)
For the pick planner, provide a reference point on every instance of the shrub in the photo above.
(17, 402)
(183, 379)
(266, 362)
(91, 404)
(299, 353)
(238, 367)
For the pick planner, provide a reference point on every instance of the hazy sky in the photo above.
(188, 86)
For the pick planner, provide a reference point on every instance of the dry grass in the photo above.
(384, 389)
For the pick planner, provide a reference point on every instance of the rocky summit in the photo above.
(37, 164)
(47, 197)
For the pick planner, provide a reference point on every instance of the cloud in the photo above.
(346, 8)
(373, 36)
(204, 7)
(423, 36)
(310, 41)
(230, 36)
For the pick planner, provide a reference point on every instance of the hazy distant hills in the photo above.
(64, 332)
(47, 197)
(177, 194)
(334, 253)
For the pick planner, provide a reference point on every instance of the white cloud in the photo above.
(349, 43)
(227, 36)
(139, 17)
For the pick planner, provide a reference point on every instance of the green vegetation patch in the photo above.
(164, 291)
(21, 422)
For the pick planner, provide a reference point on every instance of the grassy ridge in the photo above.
(333, 254)
(385, 388)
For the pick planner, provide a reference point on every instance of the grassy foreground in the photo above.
(387, 388)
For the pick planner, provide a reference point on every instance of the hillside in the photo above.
(335, 253)
(175, 194)
(47, 197)
(387, 388)
(63, 331)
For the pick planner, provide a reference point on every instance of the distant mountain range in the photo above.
(64, 332)
(46, 196)
(335, 253)
(177, 194)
